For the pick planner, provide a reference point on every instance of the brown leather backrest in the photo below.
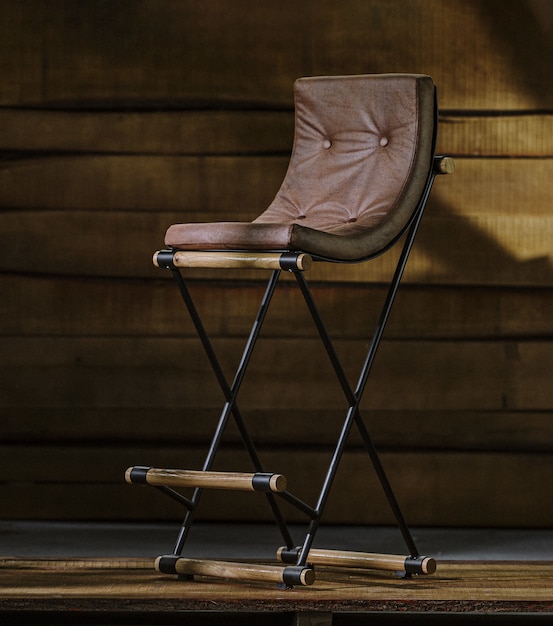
(362, 153)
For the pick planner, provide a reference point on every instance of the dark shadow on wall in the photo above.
(509, 23)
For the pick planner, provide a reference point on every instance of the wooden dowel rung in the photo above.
(216, 259)
(368, 560)
(290, 575)
(444, 165)
(208, 480)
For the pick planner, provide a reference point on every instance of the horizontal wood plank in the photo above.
(437, 488)
(240, 187)
(459, 591)
(234, 132)
(54, 305)
(406, 430)
(481, 135)
(494, 188)
(101, 153)
(501, 61)
(147, 132)
(198, 188)
(156, 372)
(479, 229)
(450, 249)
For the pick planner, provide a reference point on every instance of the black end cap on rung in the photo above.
(262, 481)
(167, 564)
(137, 475)
(289, 555)
(289, 261)
(298, 575)
(165, 259)
(419, 565)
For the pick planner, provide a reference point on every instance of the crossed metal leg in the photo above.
(298, 560)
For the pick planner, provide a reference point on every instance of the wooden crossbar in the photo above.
(237, 481)
(221, 259)
(289, 576)
(364, 560)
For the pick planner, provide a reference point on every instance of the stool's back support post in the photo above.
(354, 397)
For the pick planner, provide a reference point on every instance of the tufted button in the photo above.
(384, 141)
(301, 217)
(326, 144)
(351, 220)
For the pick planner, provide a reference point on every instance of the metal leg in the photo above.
(231, 407)
(353, 416)
(354, 397)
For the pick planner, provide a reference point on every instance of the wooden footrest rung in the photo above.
(289, 576)
(258, 481)
(365, 560)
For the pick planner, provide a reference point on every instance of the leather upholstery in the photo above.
(362, 153)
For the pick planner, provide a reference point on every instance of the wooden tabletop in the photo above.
(134, 585)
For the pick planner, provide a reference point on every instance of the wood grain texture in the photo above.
(526, 134)
(234, 260)
(454, 430)
(240, 187)
(492, 230)
(479, 54)
(174, 132)
(236, 571)
(498, 489)
(239, 481)
(234, 132)
(481, 588)
(110, 373)
(501, 251)
(365, 560)
(102, 149)
(73, 306)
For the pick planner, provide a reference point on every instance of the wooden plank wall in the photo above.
(120, 118)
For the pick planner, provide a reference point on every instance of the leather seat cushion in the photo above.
(361, 157)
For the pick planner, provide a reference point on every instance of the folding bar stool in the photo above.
(360, 174)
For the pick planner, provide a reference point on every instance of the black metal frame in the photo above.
(291, 553)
